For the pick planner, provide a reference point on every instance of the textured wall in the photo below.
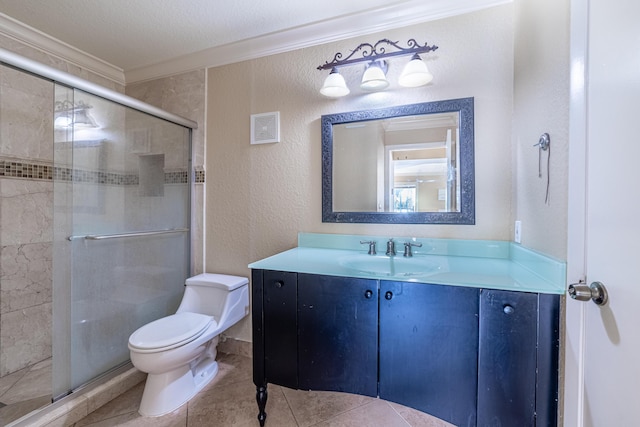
(259, 197)
(541, 104)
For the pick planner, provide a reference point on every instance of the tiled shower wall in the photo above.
(26, 207)
(184, 95)
(26, 219)
(26, 193)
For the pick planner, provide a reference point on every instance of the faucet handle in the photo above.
(372, 246)
(391, 247)
(407, 248)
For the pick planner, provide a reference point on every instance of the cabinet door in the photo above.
(507, 358)
(429, 349)
(280, 330)
(338, 334)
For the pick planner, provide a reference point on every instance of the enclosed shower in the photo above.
(94, 229)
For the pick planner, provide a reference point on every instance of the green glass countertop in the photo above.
(473, 263)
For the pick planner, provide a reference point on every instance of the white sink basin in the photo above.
(389, 266)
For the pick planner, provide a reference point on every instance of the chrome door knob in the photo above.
(595, 292)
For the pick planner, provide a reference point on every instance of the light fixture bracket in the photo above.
(378, 51)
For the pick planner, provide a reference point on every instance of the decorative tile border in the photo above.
(38, 171)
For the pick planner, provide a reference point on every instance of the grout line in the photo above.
(295, 419)
(398, 413)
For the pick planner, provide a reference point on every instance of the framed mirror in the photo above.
(411, 164)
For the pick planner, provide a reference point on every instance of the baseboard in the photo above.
(234, 346)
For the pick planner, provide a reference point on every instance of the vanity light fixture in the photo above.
(374, 77)
(334, 85)
(414, 74)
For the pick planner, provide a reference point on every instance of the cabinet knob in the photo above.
(508, 309)
(279, 284)
(388, 295)
(368, 294)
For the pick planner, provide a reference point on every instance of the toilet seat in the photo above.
(169, 332)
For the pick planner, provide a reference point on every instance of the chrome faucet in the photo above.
(372, 246)
(407, 248)
(391, 248)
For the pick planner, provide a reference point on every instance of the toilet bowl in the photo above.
(178, 352)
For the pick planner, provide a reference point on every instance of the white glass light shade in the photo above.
(374, 78)
(334, 85)
(82, 119)
(415, 73)
(62, 121)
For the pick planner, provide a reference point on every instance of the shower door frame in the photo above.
(21, 63)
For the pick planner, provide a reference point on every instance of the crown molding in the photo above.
(42, 42)
(385, 18)
(398, 15)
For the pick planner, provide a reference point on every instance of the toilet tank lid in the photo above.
(222, 281)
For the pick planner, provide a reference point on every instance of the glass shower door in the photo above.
(121, 196)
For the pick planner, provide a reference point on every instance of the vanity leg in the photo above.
(261, 398)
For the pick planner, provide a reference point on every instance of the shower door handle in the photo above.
(131, 234)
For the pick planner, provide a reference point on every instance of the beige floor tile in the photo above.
(231, 369)
(123, 411)
(14, 411)
(177, 418)
(10, 380)
(312, 407)
(126, 403)
(373, 414)
(235, 406)
(418, 419)
(229, 401)
(35, 383)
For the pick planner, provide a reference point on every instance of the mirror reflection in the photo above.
(407, 164)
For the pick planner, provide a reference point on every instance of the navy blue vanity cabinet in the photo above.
(470, 356)
(279, 334)
(518, 359)
(429, 349)
(338, 334)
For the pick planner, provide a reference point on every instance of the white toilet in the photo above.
(179, 351)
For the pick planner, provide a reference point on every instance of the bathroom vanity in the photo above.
(466, 331)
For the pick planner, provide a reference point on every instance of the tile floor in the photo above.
(24, 391)
(229, 401)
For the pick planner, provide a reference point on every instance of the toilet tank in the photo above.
(207, 293)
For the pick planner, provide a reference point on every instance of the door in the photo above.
(280, 327)
(507, 358)
(121, 220)
(603, 343)
(338, 334)
(429, 349)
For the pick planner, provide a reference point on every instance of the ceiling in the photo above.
(134, 40)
